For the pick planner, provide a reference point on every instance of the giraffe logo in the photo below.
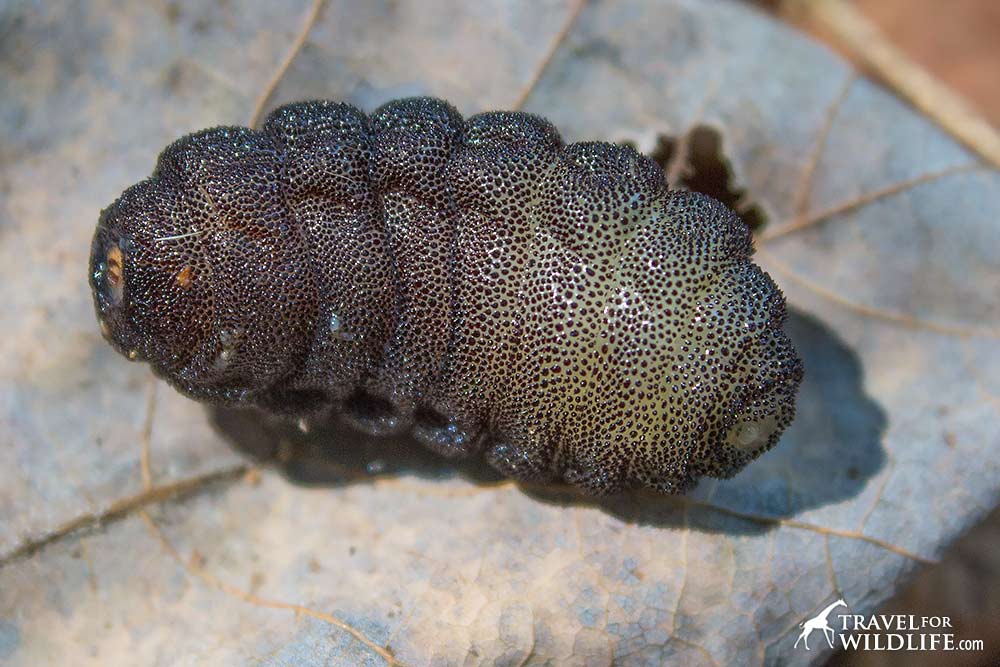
(819, 622)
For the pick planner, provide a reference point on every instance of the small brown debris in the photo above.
(184, 277)
(116, 264)
(197, 560)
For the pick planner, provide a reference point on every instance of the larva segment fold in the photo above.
(476, 282)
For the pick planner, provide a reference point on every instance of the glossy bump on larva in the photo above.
(337, 331)
(749, 435)
(228, 338)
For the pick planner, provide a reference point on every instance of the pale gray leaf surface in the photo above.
(882, 232)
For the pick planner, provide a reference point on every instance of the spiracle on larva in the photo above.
(477, 282)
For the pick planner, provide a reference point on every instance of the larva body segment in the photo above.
(477, 282)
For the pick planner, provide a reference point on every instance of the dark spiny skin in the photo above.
(477, 282)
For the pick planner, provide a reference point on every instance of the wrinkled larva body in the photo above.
(476, 282)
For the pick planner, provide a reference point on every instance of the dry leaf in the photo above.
(881, 230)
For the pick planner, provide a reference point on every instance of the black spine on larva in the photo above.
(476, 282)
